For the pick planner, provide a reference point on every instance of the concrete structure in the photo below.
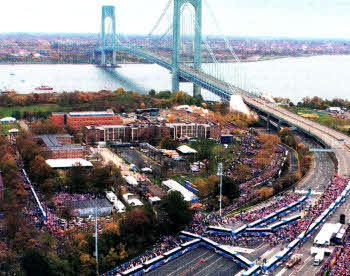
(108, 12)
(78, 120)
(197, 4)
(60, 146)
(148, 132)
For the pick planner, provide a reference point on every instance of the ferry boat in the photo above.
(44, 88)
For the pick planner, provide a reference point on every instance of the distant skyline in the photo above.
(241, 18)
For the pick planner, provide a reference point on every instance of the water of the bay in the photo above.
(294, 78)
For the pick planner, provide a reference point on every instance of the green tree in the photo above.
(168, 143)
(39, 170)
(77, 179)
(152, 93)
(101, 179)
(177, 212)
(230, 188)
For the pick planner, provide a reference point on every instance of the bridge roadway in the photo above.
(187, 73)
(337, 141)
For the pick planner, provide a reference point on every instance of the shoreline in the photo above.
(260, 59)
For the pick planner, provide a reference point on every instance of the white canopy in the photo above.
(186, 149)
(8, 120)
(68, 163)
(131, 180)
(175, 186)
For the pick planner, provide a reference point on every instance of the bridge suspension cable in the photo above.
(166, 8)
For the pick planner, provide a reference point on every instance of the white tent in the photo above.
(184, 149)
(8, 120)
(68, 163)
(175, 186)
(131, 180)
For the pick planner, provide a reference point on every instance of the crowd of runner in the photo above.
(166, 244)
(342, 265)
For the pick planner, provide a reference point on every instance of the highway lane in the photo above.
(329, 136)
(323, 168)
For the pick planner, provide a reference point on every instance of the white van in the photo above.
(119, 206)
(111, 196)
(319, 258)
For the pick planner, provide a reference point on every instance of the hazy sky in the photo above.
(292, 18)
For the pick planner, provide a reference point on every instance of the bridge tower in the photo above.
(197, 4)
(108, 12)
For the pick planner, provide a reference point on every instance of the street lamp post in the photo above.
(220, 174)
(96, 242)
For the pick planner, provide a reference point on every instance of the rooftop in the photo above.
(89, 204)
(67, 163)
(91, 113)
(51, 140)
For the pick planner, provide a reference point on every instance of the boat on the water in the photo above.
(44, 88)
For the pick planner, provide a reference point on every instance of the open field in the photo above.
(7, 111)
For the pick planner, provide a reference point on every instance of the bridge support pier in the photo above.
(103, 58)
(175, 86)
(268, 122)
(196, 90)
(108, 12)
(114, 58)
(197, 4)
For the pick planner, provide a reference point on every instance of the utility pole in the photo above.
(96, 242)
(220, 174)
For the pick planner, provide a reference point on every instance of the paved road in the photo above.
(323, 169)
(198, 262)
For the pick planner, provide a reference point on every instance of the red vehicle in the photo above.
(294, 260)
(44, 88)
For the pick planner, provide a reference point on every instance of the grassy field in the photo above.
(7, 111)
(5, 128)
(321, 117)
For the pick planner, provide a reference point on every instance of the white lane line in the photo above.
(189, 262)
(206, 267)
(281, 272)
(305, 263)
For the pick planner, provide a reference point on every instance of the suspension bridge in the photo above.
(176, 42)
(191, 58)
(172, 45)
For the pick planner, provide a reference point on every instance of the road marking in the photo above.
(209, 265)
(189, 262)
(239, 249)
(305, 263)
(281, 272)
